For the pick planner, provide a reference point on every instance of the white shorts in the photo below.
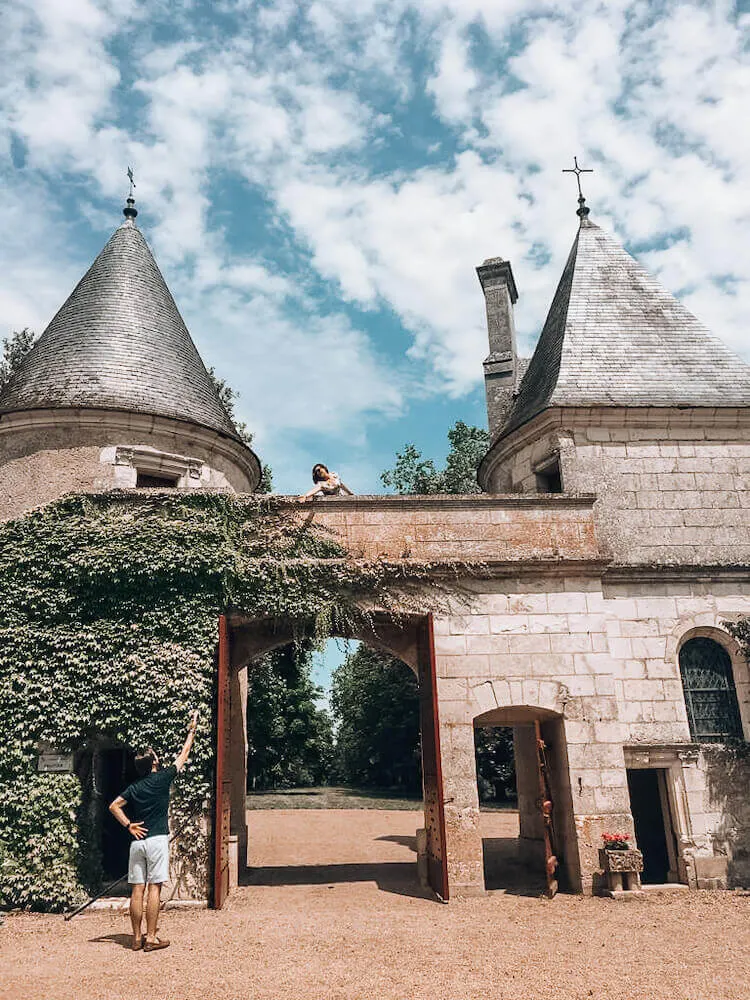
(149, 861)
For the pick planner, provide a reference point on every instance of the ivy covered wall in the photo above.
(108, 628)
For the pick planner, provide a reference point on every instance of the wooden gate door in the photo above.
(432, 769)
(546, 807)
(222, 790)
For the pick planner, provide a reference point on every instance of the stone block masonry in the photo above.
(475, 528)
(673, 485)
(45, 454)
(596, 648)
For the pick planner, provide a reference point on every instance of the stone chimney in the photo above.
(499, 287)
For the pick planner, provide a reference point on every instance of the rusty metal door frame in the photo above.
(222, 786)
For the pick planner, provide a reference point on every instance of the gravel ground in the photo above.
(345, 920)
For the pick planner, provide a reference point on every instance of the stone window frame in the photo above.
(129, 460)
(740, 666)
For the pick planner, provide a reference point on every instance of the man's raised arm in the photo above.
(182, 757)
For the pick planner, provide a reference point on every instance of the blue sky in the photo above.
(319, 179)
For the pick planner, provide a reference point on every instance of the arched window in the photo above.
(710, 696)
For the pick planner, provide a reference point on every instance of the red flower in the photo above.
(621, 839)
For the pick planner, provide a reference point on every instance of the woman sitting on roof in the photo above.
(327, 484)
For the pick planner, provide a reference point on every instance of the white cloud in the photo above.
(454, 80)
(652, 100)
(320, 110)
(321, 375)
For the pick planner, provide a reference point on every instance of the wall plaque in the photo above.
(55, 763)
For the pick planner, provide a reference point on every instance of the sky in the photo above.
(318, 180)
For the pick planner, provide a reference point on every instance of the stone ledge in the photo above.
(676, 572)
(442, 501)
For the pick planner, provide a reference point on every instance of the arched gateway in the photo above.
(240, 642)
(497, 550)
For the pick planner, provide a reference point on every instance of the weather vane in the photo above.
(582, 211)
(132, 181)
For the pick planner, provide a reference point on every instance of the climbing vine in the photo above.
(108, 624)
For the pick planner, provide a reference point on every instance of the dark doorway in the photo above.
(115, 770)
(145, 481)
(650, 823)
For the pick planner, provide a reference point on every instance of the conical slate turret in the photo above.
(119, 343)
(614, 336)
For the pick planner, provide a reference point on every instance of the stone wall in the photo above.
(726, 773)
(46, 454)
(595, 650)
(603, 658)
(545, 629)
(469, 528)
(539, 645)
(672, 485)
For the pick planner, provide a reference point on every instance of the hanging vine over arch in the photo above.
(108, 611)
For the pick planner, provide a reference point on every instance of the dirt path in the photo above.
(340, 936)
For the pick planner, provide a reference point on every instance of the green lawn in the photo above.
(330, 798)
(346, 798)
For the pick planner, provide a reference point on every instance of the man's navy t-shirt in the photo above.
(149, 801)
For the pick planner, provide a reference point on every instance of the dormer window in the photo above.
(142, 467)
(548, 476)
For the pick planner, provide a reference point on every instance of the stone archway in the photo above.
(243, 640)
(537, 836)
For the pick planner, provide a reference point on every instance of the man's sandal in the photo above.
(155, 945)
(137, 945)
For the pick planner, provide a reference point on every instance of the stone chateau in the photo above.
(613, 531)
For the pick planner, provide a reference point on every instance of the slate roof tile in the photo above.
(615, 337)
(119, 342)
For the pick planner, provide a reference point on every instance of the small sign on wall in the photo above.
(55, 763)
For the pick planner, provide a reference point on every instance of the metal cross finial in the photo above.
(130, 211)
(582, 211)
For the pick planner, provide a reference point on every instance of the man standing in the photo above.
(148, 868)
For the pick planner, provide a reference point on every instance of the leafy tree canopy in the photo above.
(290, 739)
(496, 769)
(14, 350)
(414, 474)
(375, 700)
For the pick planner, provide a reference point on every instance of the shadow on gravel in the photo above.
(402, 839)
(504, 870)
(124, 940)
(399, 877)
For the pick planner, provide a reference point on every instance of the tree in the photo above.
(375, 701)
(14, 350)
(740, 629)
(496, 770)
(228, 395)
(290, 738)
(414, 474)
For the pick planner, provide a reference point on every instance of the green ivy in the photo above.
(108, 627)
